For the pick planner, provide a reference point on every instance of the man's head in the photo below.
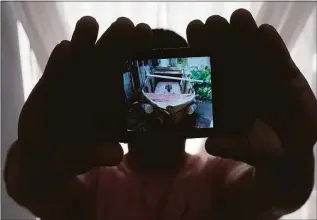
(163, 39)
(162, 151)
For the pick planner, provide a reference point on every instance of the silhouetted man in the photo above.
(60, 169)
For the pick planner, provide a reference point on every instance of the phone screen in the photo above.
(168, 92)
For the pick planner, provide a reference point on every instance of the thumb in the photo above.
(228, 146)
(257, 147)
(80, 159)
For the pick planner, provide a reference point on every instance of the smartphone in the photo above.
(169, 91)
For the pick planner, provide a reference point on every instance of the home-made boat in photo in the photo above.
(169, 90)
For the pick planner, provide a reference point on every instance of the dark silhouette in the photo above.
(61, 167)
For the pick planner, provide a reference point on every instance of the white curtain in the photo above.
(41, 25)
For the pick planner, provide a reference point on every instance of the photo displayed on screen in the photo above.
(172, 91)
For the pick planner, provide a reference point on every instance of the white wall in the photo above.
(42, 37)
(12, 100)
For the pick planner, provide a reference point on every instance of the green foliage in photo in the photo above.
(182, 62)
(203, 90)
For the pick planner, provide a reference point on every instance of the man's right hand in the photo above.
(74, 107)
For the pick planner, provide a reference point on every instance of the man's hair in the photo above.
(163, 38)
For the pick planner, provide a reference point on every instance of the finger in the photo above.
(85, 34)
(219, 44)
(125, 35)
(143, 37)
(55, 67)
(276, 69)
(113, 46)
(274, 47)
(217, 31)
(111, 49)
(58, 57)
(83, 157)
(231, 147)
(115, 43)
(244, 29)
(274, 40)
(82, 43)
(246, 64)
(118, 39)
(163, 38)
(195, 35)
(124, 21)
(289, 92)
(39, 101)
(243, 22)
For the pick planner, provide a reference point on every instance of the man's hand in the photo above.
(76, 103)
(70, 122)
(267, 106)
